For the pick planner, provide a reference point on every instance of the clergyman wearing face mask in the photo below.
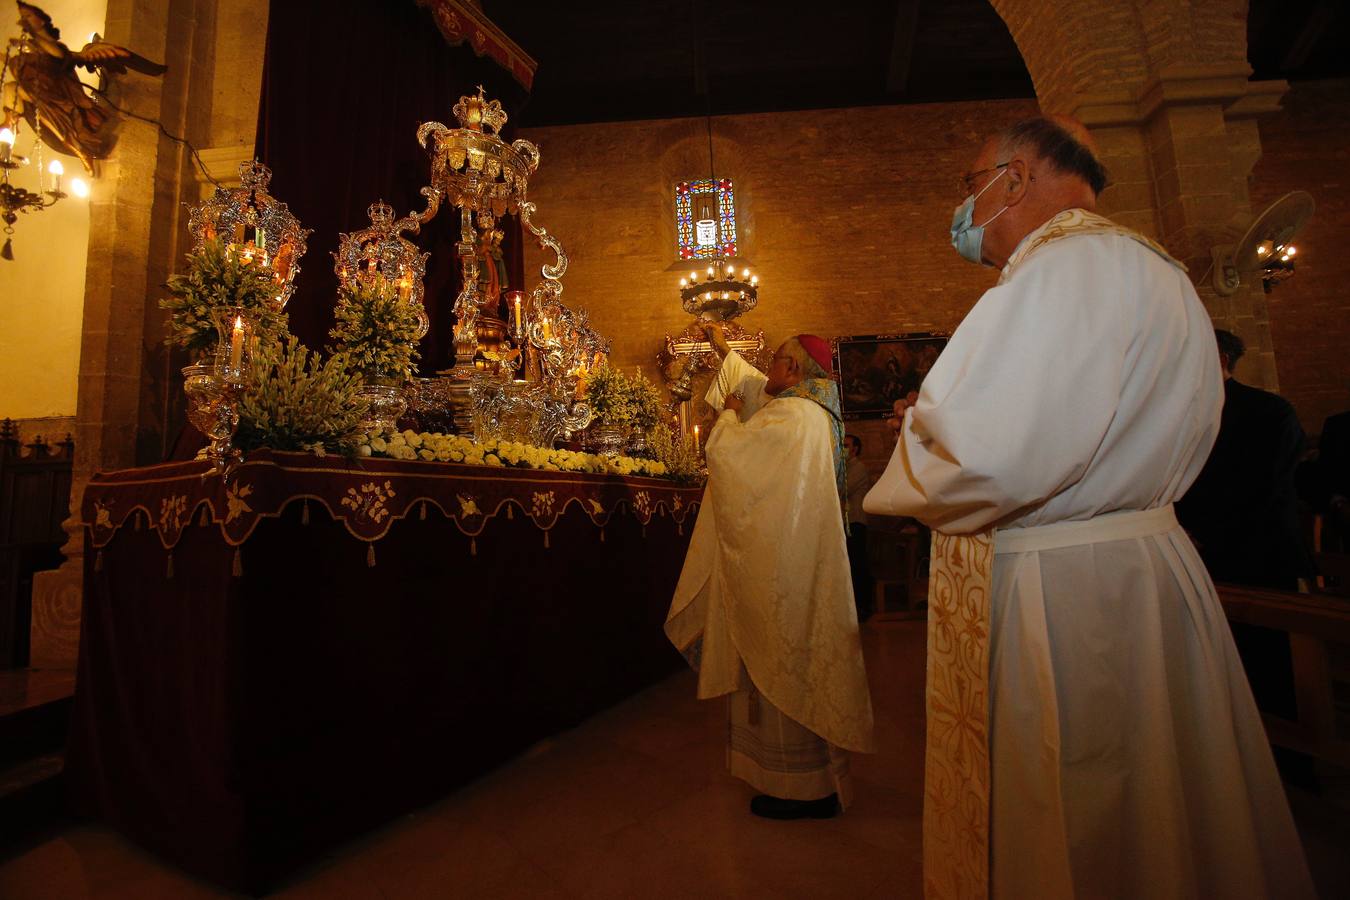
(1083, 687)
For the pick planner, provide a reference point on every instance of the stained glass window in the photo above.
(705, 218)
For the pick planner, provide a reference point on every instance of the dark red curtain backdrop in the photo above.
(345, 85)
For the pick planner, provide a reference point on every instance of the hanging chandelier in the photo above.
(721, 294)
(15, 200)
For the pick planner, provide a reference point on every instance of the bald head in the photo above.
(1033, 170)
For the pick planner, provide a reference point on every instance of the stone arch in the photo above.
(1163, 85)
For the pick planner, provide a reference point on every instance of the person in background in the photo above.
(1242, 510)
(859, 483)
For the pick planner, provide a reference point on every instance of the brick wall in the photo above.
(843, 214)
(1307, 147)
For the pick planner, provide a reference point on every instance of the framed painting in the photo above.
(876, 370)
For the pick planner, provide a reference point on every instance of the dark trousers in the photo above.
(863, 591)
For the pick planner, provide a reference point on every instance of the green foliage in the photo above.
(675, 451)
(375, 330)
(294, 400)
(610, 397)
(217, 280)
(645, 399)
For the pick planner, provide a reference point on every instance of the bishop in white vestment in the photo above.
(764, 606)
(1077, 400)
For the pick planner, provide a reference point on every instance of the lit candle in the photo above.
(548, 330)
(237, 343)
(404, 288)
(259, 238)
(6, 143)
(57, 170)
(516, 312)
(696, 447)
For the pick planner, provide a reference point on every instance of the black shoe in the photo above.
(767, 807)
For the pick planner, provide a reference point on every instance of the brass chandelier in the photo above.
(15, 200)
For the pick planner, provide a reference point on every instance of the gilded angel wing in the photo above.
(112, 58)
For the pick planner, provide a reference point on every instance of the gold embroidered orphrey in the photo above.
(956, 756)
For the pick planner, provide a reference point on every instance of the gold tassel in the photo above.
(370, 555)
(423, 514)
(602, 535)
(136, 519)
(237, 567)
(546, 543)
(168, 568)
(98, 561)
(679, 528)
(509, 514)
(473, 546)
(304, 515)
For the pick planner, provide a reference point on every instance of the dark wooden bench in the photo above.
(1319, 641)
(34, 501)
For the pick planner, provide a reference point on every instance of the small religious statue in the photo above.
(42, 87)
(491, 264)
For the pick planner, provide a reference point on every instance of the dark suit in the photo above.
(1329, 479)
(1242, 510)
(1242, 513)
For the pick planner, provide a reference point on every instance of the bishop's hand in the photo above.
(717, 337)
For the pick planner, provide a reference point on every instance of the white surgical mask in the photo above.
(966, 237)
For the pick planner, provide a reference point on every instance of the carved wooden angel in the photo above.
(42, 88)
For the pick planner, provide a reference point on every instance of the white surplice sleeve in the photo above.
(1020, 399)
(738, 375)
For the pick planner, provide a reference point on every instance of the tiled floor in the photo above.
(634, 803)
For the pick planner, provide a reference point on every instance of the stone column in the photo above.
(1189, 140)
(137, 234)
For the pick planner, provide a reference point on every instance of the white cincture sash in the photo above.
(1116, 526)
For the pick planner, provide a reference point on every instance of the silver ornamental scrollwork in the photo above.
(381, 251)
(249, 215)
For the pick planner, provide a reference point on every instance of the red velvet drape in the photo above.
(345, 85)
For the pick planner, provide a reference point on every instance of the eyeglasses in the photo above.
(965, 185)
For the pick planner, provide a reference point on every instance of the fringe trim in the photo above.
(237, 566)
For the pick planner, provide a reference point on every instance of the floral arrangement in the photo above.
(645, 402)
(610, 397)
(375, 330)
(219, 279)
(675, 452)
(294, 400)
(455, 448)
